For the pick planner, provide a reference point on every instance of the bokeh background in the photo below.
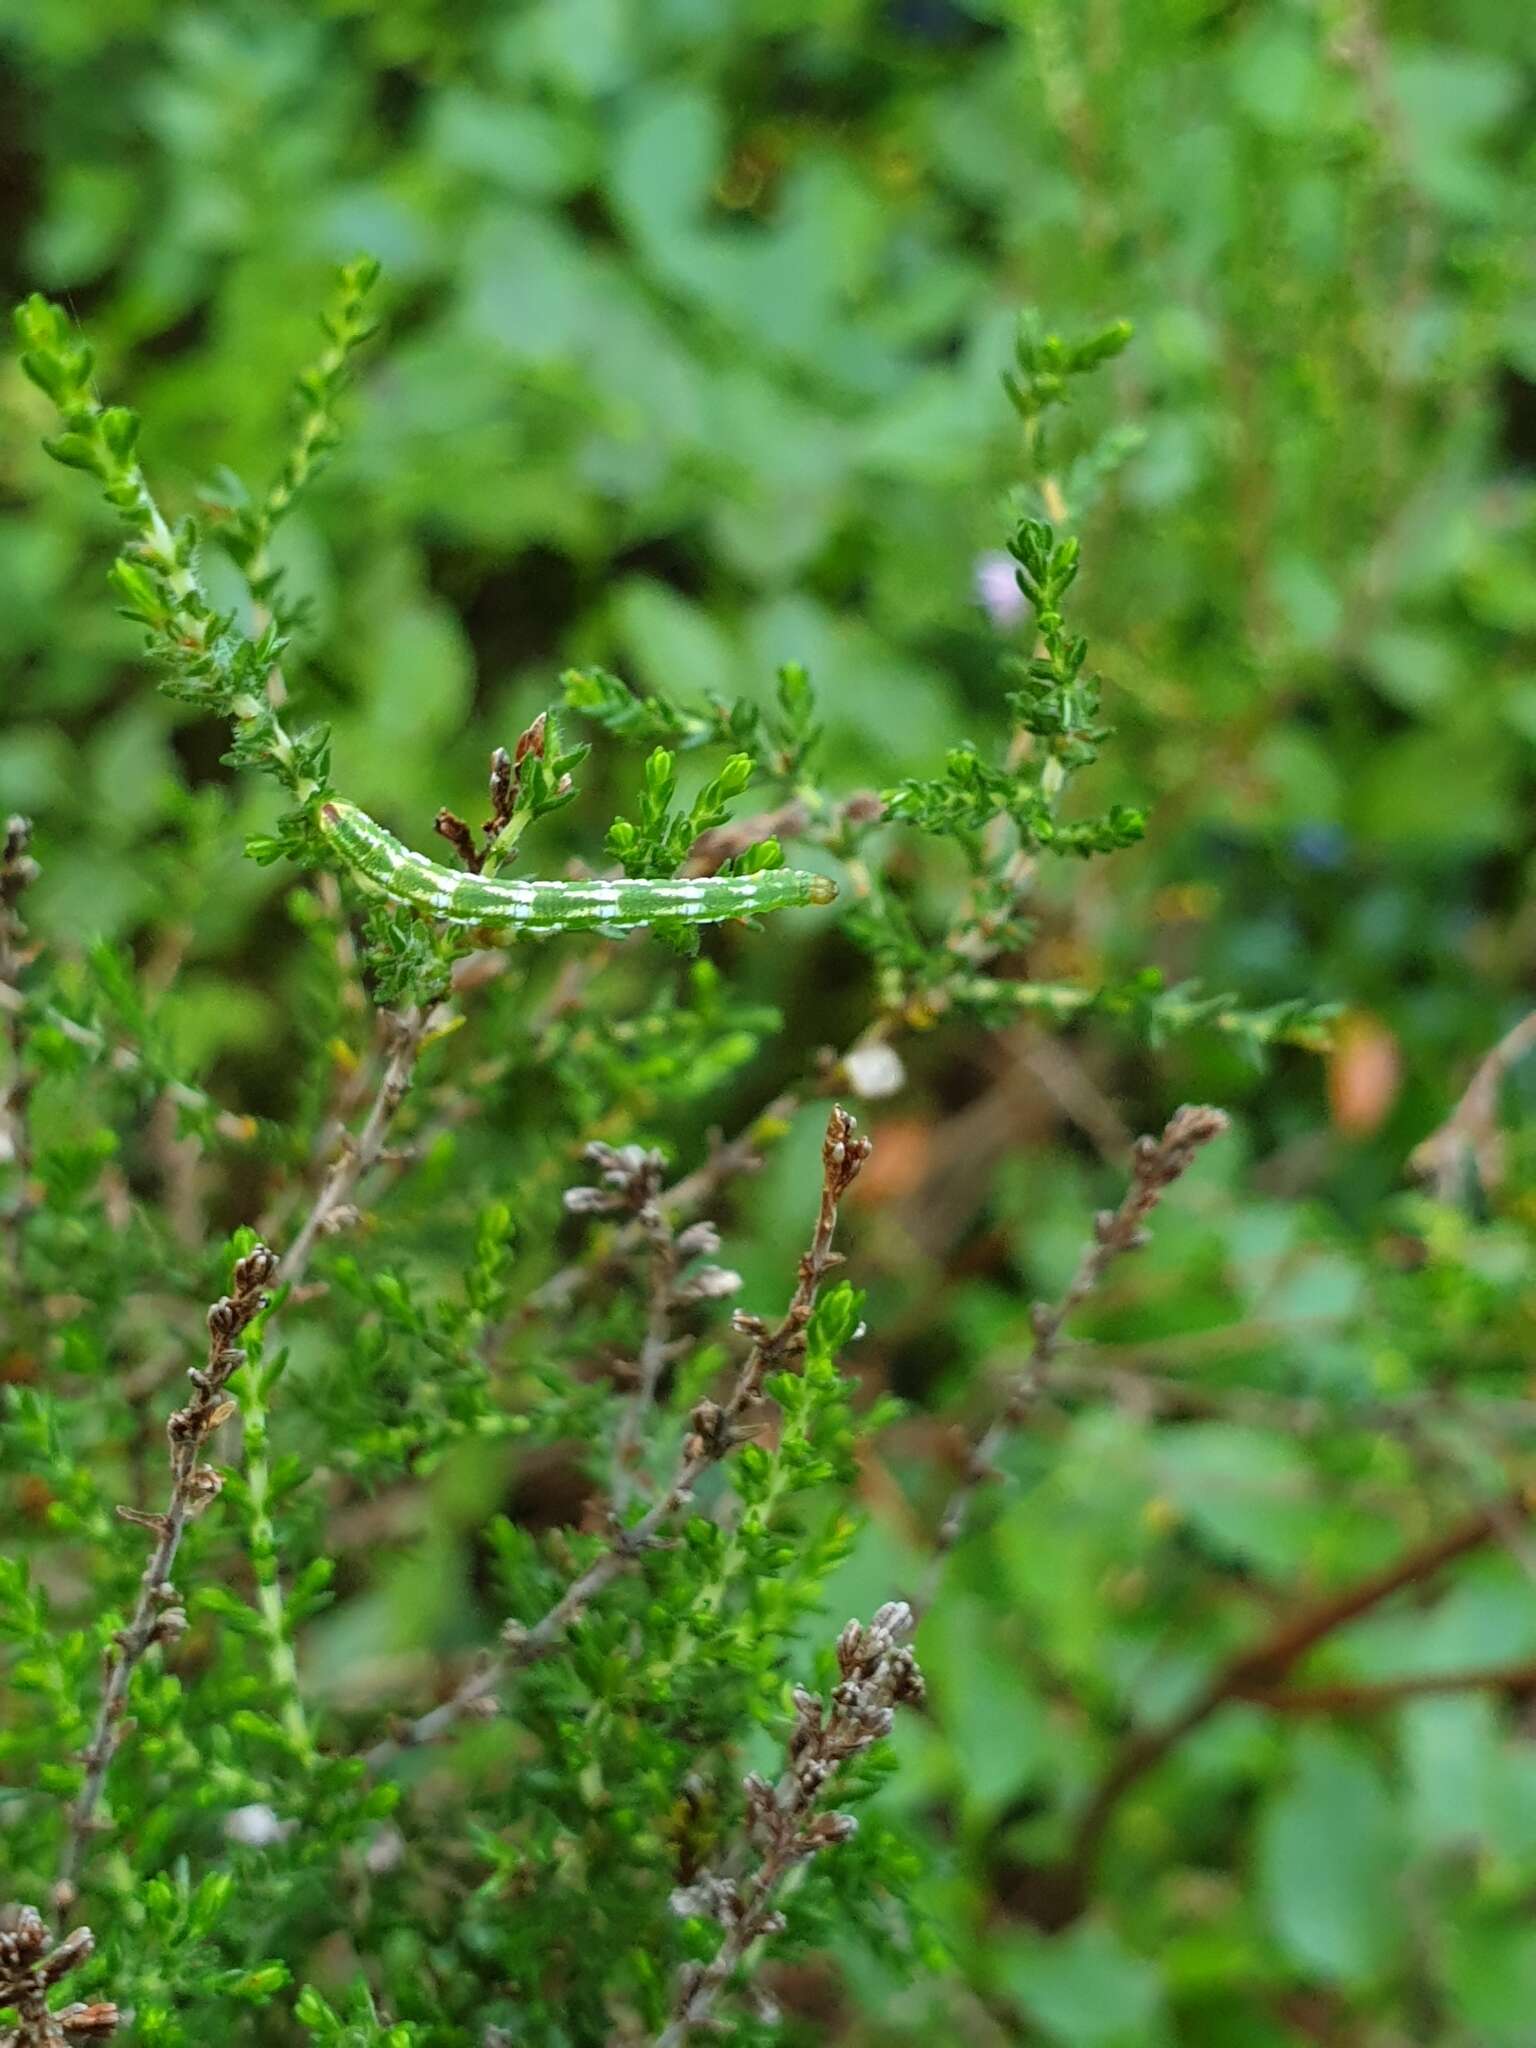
(695, 317)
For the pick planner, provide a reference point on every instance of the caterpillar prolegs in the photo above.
(386, 868)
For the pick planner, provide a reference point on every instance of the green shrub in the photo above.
(463, 1665)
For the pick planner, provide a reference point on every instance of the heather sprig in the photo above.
(785, 1823)
(715, 1429)
(210, 660)
(247, 525)
(207, 658)
(158, 1617)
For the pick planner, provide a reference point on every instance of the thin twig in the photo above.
(1469, 1136)
(1373, 1695)
(17, 873)
(354, 1157)
(712, 849)
(1062, 1074)
(716, 1429)
(157, 1618)
(331, 1208)
(629, 1185)
(655, 1348)
(1156, 1163)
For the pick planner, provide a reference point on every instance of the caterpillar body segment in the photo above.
(386, 868)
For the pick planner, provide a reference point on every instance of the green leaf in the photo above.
(1491, 1976)
(1330, 1859)
(1084, 1988)
(1250, 1493)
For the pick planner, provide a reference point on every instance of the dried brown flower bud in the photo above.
(906, 1679)
(503, 791)
(450, 826)
(256, 1269)
(71, 1951)
(710, 1283)
(204, 1486)
(811, 1774)
(27, 1936)
(893, 1620)
(843, 1153)
(761, 1803)
(90, 2022)
(828, 1829)
(698, 1241)
(531, 740)
(154, 1523)
(707, 1898)
(713, 1433)
(223, 1317)
(170, 1626)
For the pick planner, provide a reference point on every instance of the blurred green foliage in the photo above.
(697, 313)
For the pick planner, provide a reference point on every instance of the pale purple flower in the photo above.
(997, 588)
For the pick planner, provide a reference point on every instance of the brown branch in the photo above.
(1260, 1669)
(450, 826)
(1062, 1074)
(1156, 1163)
(1370, 1696)
(717, 1428)
(1410, 1416)
(712, 849)
(157, 1618)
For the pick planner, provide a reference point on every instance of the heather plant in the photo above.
(442, 1443)
(639, 1651)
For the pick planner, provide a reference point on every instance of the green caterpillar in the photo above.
(386, 868)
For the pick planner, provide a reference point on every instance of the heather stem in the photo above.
(157, 1616)
(1156, 1163)
(261, 1542)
